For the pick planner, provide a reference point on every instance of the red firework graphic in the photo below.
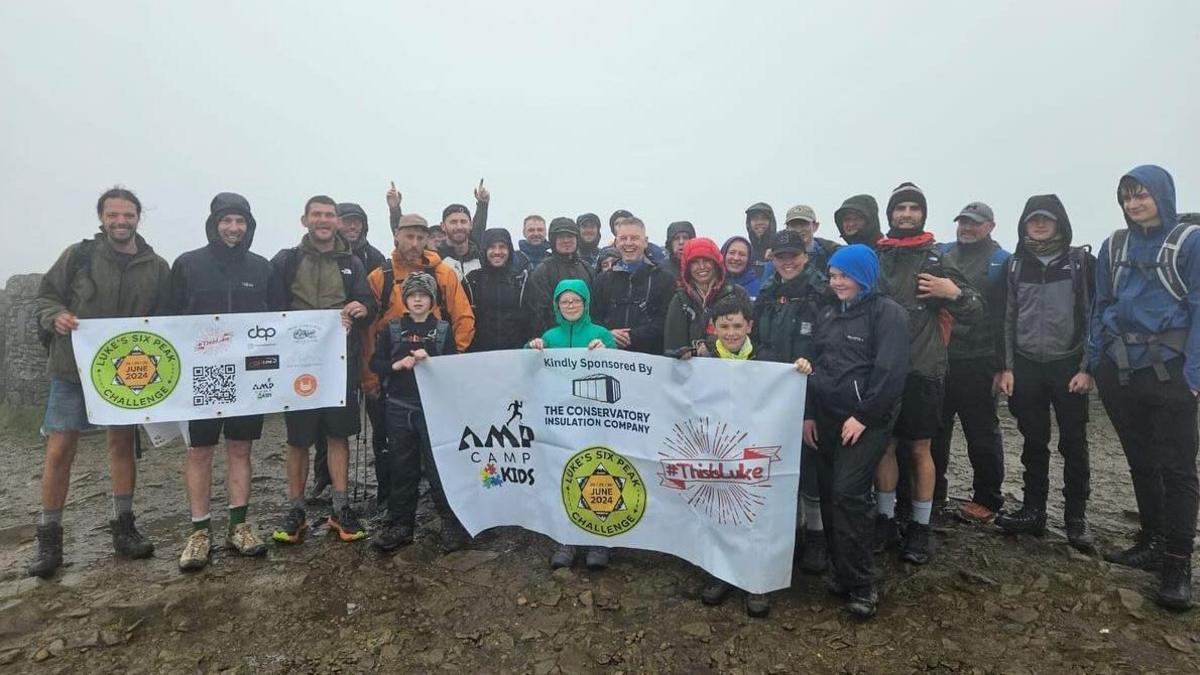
(718, 475)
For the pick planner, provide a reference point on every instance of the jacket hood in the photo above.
(606, 253)
(1052, 205)
(345, 209)
(759, 245)
(589, 247)
(1161, 187)
(750, 270)
(340, 245)
(701, 247)
(561, 225)
(222, 205)
(491, 236)
(677, 227)
(866, 206)
(580, 288)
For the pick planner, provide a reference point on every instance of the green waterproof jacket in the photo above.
(580, 332)
(106, 287)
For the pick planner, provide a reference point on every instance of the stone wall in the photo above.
(22, 357)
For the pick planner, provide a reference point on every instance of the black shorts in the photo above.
(304, 426)
(920, 408)
(204, 433)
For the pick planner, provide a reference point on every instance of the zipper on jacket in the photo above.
(856, 392)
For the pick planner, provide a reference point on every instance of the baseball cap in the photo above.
(978, 212)
(412, 220)
(1040, 212)
(787, 240)
(801, 212)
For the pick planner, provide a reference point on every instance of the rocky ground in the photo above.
(988, 604)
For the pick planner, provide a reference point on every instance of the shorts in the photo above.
(65, 409)
(204, 433)
(920, 408)
(303, 426)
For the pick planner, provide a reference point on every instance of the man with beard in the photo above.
(857, 220)
(461, 250)
(679, 233)
(803, 219)
(589, 238)
(563, 263)
(224, 278)
(631, 298)
(497, 292)
(760, 229)
(534, 247)
(114, 274)
(934, 293)
(352, 223)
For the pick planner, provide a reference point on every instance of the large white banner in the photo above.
(697, 458)
(173, 368)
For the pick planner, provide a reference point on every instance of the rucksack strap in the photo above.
(1168, 260)
(385, 293)
(439, 336)
(1118, 257)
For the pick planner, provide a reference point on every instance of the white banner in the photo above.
(173, 368)
(697, 458)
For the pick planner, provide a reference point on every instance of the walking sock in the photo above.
(812, 513)
(887, 503)
(122, 504)
(339, 500)
(201, 523)
(297, 502)
(237, 515)
(50, 516)
(921, 511)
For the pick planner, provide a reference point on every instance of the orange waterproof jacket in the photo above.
(452, 297)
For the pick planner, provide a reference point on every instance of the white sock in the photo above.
(921, 511)
(886, 502)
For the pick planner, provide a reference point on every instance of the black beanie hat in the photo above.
(908, 192)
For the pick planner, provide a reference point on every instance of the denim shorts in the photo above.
(65, 409)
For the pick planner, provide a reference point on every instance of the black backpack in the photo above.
(79, 261)
(1166, 264)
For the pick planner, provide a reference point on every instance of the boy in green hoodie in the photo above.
(572, 311)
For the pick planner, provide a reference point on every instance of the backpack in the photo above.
(439, 335)
(81, 260)
(1075, 255)
(1166, 263)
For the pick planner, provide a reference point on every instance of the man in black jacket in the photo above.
(562, 263)
(631, 299)
(497, 293)
(223, 277)
(353, 224)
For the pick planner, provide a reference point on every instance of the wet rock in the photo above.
(1180, 644)
(829, 626)
(1022, 615)
(19, 587)
(431, 657)
(696, 629)
(522, 601)
(1042, 583)
(41, 655)
(544, 667)
(1011, 590)
(586, 599)
(562, 575)
(77, 613)
(56, 647)
(467, 560)
(1131, 600)
(16, 535)
(18, 617)
(389, 653)
(551, 597)
(9, 656)
(974, 577)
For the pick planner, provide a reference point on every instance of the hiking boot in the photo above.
(563, 556)
(886, 533)
(453, 536)
(197, 551)
(596, 558)
(245, 540)
(294, 527)
(127, 541)
(862, 602)
(1079, 535)
(392, 537)
(715, 591)
(1175, 586)
(1028, 520)
(344, 523)
(1145, 554)
(49, 551)
(916, 544)
(814, 557)
(758, 605)
(974, 512)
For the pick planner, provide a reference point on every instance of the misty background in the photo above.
(673, 110)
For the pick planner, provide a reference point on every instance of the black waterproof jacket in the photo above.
(218, 279)
(497, 296)
(635, 300)
(785, 315)
(542, 282)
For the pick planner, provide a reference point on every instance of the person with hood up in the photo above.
(857, 220)
(738, 269)
(1145, 353)
(562, 263)
(497, 293)
(1050, 286)
(858, 376)
(607, 257)
(631, 298)
(589, 238)
(701, 285)
(784, 316)
(223, 277)
(760, 229)
(572, 311)
(679, 233)
(353, 224)
(976, 359)
(803, 219)
(913, 273)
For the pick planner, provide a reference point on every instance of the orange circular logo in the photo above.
(305, 385)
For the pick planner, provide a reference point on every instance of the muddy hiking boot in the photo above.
(345, 524)
(758, 605)
(814, 557)
(974, 512)
(243, 539)
(295, 525)
(1145, 554)
(887, 534)
(197, 551)
(862, 602)
(715, 591)
(917, 547)
(1027, 520)
(563, 556)
(49, 551)
(1079, 535)
(392, 536)
(1175, 583)
(453, 536)
(596, 558)
(127, 541)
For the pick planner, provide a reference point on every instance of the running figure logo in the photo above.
(515, 408)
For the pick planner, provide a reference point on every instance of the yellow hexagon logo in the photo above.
(135, 370)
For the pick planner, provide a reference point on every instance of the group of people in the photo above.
(898, 334)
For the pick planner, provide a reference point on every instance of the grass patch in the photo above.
(22, 421)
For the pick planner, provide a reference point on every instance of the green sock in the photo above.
(237, 515)
(200, 523)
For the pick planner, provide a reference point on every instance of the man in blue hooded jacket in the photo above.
(1145, 351)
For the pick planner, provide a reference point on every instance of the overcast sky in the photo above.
(674, 110)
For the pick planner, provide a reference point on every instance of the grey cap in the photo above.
(978, 212)
(1040, 212)
(800, 212)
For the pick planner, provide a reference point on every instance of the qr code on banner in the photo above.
(214, 384)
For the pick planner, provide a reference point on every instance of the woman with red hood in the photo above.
(701, 284)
